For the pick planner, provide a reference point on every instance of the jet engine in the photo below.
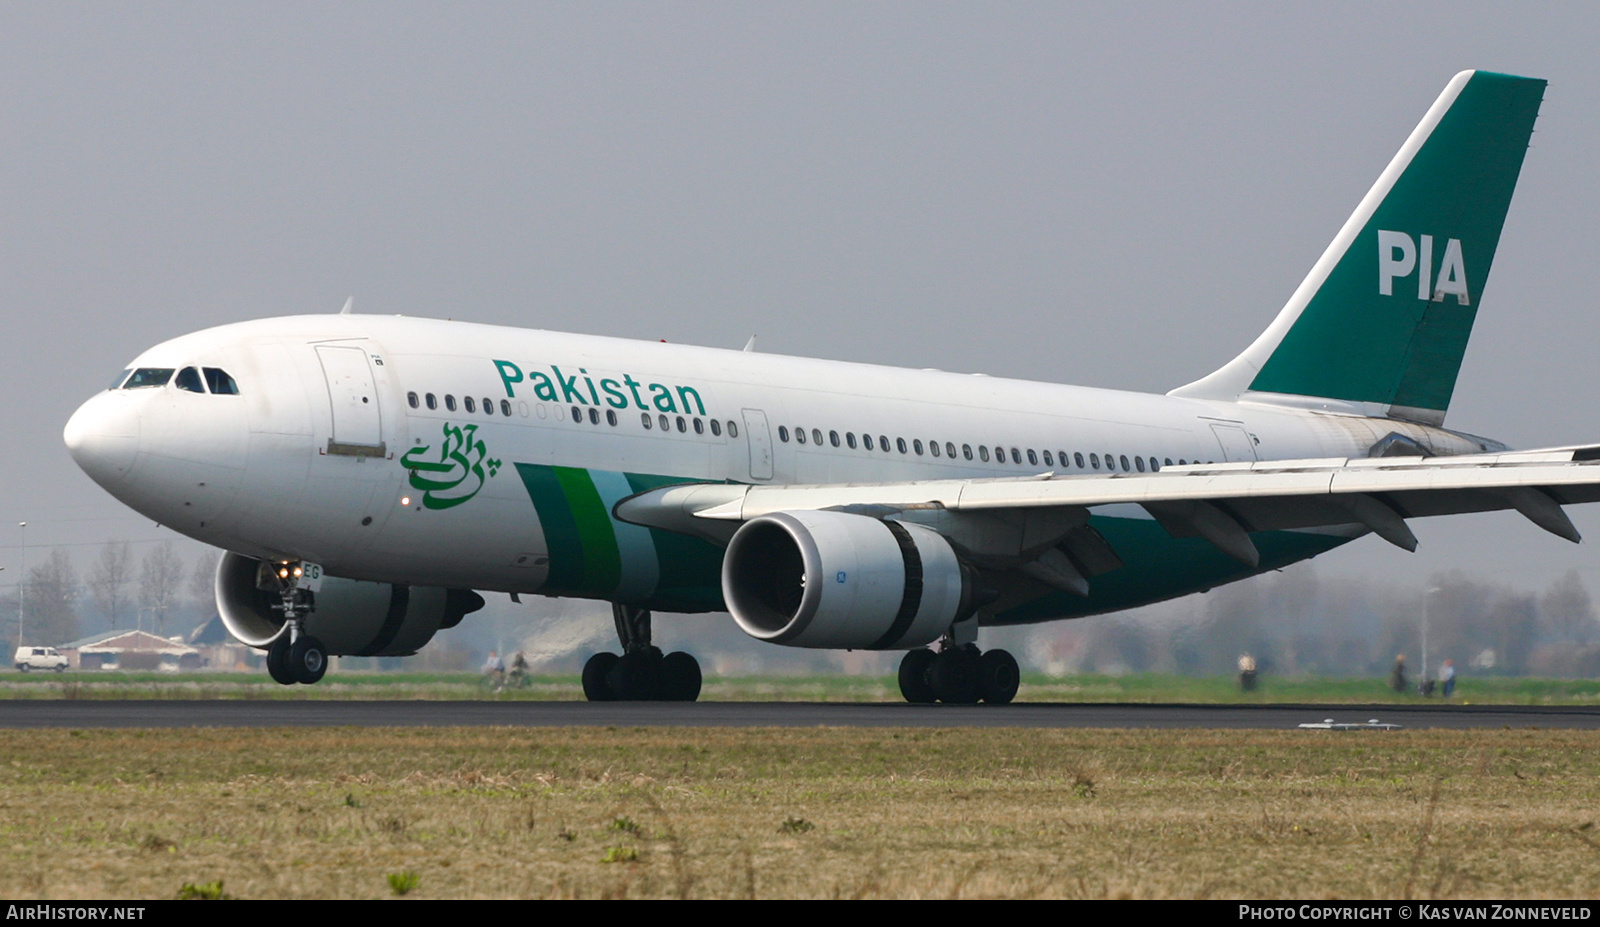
(351, 618)
(839, 580)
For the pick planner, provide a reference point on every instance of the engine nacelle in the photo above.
(352, 618)
(836, 580)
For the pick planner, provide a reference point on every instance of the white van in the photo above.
(32, 658)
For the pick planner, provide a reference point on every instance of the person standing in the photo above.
(1447, 678)
(1397, 676)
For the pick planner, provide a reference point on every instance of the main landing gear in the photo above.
(295, 656)
(641, 673)
(959, 674)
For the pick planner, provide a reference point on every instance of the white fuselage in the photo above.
(350, 442)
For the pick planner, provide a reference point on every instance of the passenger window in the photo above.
(1048, 461)
(1094, 461)
(663, 421)
(833, 438)
(488, 406)
(219, 383)
(450, 402)
(800, 436)
(933, 448)
(505, 407)
(1124, 459)
(733, 430)
(950, 449)
(611, 417)
(146, 377)
(1077, 458)
(1138, 463)
(883, 443)
(1016, 456)
(901, 444)
(645, 417)
(699, 427)
(850, 439)
(468, 403)
(1033, 459)
(431, 401)
(577, 416)
(999, 455)
(866, 442)
(716, 428)
(966, 451)
(189, 379)
(594, 416)
(783, 433)
(682, 426)
(983, 453)
(816, 436)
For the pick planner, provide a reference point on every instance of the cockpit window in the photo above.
(220, 383)
(119, 378)
(148, 376)
(189, 379)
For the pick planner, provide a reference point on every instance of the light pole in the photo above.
(1427, 607)
(22, 580)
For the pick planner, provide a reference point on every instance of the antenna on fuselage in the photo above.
(750, 346)
(349, 303)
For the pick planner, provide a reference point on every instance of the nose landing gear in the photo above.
(295, 656)
(642, 673)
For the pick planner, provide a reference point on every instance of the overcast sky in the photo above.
(1107, 194)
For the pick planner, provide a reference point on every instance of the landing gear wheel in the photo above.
(954, 676)
(637, 676)
(680, 677)
(308, 660)
(998, 677)
(914, 685)
(278, 663)
(595, 673)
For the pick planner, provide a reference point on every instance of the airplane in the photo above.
(369, 477)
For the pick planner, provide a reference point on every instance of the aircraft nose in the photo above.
(103, 438)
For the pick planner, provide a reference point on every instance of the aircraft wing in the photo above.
(1223, 503)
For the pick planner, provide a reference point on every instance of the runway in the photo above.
(28, 713)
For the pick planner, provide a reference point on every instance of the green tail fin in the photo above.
(1381, 322)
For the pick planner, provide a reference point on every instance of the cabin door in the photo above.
(755, 430)
(357, 424)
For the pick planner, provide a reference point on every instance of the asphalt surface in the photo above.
(173, 714)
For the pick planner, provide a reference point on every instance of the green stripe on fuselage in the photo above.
(577, 530)
(585, 558)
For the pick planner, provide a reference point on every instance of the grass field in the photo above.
(814, 813)
(1147, 687)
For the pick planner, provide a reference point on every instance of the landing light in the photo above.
(405, 500)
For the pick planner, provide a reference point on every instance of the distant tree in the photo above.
(160, 577)
(203, 583)
(1566, 612)
(109, 579)
(50, 616)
